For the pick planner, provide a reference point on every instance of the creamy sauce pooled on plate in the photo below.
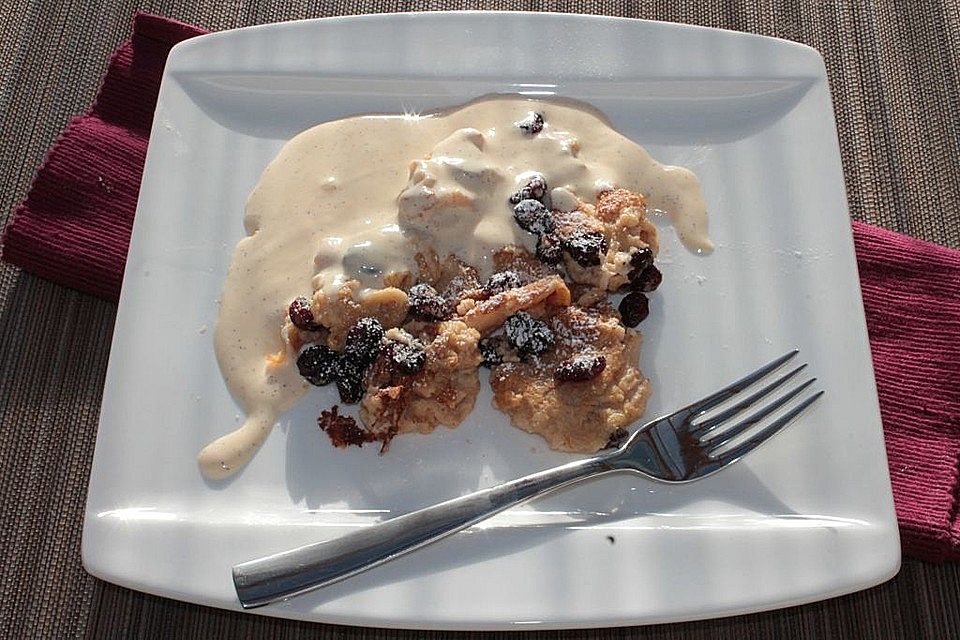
(355, 199)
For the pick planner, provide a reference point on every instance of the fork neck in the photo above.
(640, 453)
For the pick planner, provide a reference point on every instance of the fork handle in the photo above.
(265, 580)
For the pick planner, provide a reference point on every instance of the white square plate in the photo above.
(808, 516)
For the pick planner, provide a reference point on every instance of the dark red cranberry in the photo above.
(301, 316)
(532, 124)
(502, 281)
(350, 379)
(363, 340)
(535, 189)
(406, 359)
(491, 350)
(641, 258)
(318, 364)
(648, 280)
(549, 249)
(428, 305)
(528, 335)
(634, 308)
(587, 248)
(580, 368)
(534, 217)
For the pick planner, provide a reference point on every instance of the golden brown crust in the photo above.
(487, 315)
(340, 312)
(443, 393)
(398, 280)
(522, 262)
(571, 416)
(576, 416)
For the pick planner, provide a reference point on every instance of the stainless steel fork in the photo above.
(686, 445)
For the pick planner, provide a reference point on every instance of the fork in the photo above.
(689, 444)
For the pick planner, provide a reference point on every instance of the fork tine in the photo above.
(703, 428)
(731, 390)
(766, 433)
(729, 434)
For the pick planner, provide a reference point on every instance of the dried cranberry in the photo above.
(532, 124)
(641, 258)
(634, 308)
(580, 368)
(363, 340)
(586, 247)
(648, 280)
(502, 281)
(549, 249)
(407, 359)
(528, 335)
(350, 379)
(534, 217)
(428, 305)
(318, 364)
(535, 189)
(491, 350)
(301, 316)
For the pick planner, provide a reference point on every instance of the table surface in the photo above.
(895, 76)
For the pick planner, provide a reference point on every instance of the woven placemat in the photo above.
(894, 74)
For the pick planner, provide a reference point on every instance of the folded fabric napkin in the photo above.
(911, 294)
(74, 225)
(74, 228)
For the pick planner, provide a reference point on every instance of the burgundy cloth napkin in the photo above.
(74, 228)
(74, 225)
(911, 294)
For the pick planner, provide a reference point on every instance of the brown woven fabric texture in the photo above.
(895, 72)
